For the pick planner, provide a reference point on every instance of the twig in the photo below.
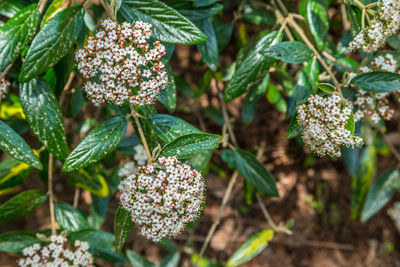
(76, 197)
(142, 137)
(5, 71)
(333, 59)
(265, 212)
(66, 88)
(226, 116)
(51, 195)
(42, 5)
(219, 215)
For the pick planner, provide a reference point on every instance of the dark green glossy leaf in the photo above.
(95, 238)
(137, 260)
(169, 128)
(251, 66)
(52, 42)
(13, 144)
(377, 81)
(97, 144)
(189, 145)
(251, 248)
(22, 204)
(209, 49)
(95, 183)
(251, 100)
(318, 21)
(10, 7)
(294, 128)
(255, 172)
(123, 226)
(293, 52)
(327, 88)
(362, 179)
(70, 218)
(15, 242)
(194, 13)
(44, 116)
(171, 260)
(17, 33)
(380, 193)
(12, 173)
(169, 25)
(200, 3)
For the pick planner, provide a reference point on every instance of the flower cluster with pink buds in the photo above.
(119, 64)
(163, 197)
(374, 106)
(385, 24)
(324, 123)
(56, 254)
(4, 85)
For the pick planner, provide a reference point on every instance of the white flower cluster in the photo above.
(140, 154)
(374, 106)
(122, 65)
(4, 84)
(324, 125)
(56, 254)
(394, 213)
(385, 23)
(130, 168)
(163, 197)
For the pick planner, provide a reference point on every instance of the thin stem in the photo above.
(333, 59)
(42, 5)
(6, 70)
(226, 116)
(300, 31)
(265, 212)
(219, 215)
(51, 195)
(76, 197)
(358, 2)
(363, 19)
(142, 137)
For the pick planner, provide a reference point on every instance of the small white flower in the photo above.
(128, 69)
(164, 197)
(56, 254)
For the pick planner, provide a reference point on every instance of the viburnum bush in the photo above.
(88, 89)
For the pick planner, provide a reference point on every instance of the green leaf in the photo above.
(169, 25)
(194, 13)
(17, 33)
(54, 8)
(95, 238)
(171, 260)
(293, 52)
(52, 42)
(318, 21)
(189, 145)
(327, 87)
(97, 144)
(70, 218)
(13, 144)
(22, 204)
(251, 248)
(350, 125)
(168, 95)
(294, 128)
(362, 179)
(203, 261)
(10, 7)
(209, 49)
(96, 183)
(377, 81)
(123, 226)
(43, 114)
(255, 172)
(137, 260)
(251, 100)
(251, 66)
(380, 193)
(12, 173)
(169, 128)
(200, 3)
(15, 242)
